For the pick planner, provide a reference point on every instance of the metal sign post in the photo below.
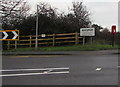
(91, 38)
(113, 40)
(36, 40)
(113, 34)
(83, 41)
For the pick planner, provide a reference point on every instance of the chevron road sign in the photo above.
(9, 34)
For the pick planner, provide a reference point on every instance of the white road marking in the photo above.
(48, 71)
(26, 74)
(34, 69)
(98, 69)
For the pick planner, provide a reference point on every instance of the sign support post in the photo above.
(8, 45)
(36, 39)
(84, 41)
(15, 43)
(113, 35)
(113, 41)
(91, 38)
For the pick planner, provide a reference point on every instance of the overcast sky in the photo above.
(103, 12)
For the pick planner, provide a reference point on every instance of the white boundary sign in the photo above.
(87, 31)
(43, 35)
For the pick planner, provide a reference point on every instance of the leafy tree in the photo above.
(97, 29)
(102, 35)
(28, 25)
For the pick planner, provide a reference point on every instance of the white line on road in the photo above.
(44, 71)
(26, 74)
(98, 69)
(34, 69)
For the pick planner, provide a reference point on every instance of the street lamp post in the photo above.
(36, 40)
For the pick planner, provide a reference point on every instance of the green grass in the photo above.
(87, 47)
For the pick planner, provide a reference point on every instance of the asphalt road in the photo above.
(83, 68)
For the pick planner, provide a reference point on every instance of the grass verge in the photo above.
(92, 47)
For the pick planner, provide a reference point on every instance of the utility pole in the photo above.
(36, 40)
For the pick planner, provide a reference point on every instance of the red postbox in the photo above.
(113, 29)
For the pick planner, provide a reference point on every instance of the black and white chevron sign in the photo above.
(9, 34)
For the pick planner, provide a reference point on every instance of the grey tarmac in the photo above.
(86, 68)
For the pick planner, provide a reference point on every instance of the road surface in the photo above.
(86, 68)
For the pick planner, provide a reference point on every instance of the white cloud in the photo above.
(104, 13)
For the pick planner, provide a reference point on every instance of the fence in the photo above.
(48, 40)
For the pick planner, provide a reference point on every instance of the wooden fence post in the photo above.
(8, 45)
(76, 38)
(30, 40)
(53, 40)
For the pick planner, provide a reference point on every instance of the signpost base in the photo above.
(83, 41)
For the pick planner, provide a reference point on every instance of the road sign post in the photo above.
(83, 40)
(37, 20)
(91, 39)
(15, 44)
(113, 34)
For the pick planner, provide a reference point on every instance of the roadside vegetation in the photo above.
(87, 47)
(16, 15)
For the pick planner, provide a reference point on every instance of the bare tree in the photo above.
(81, 14)
(46, 9)
(10, 7)
(12, 11)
